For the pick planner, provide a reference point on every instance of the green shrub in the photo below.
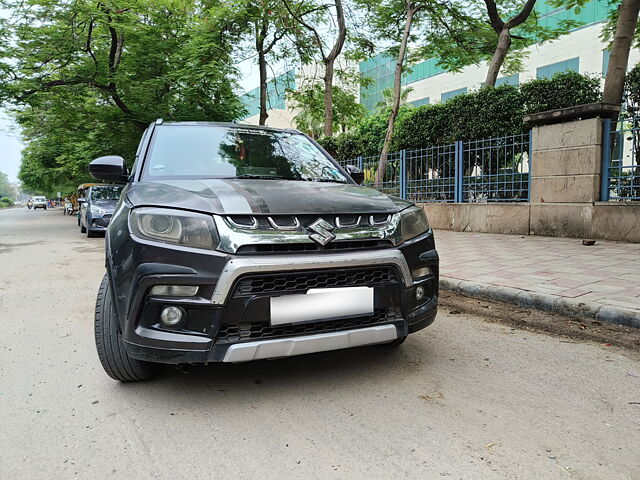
(6, 200)
(563, 90)
(489, 112)
(366, 139)
(485, 113)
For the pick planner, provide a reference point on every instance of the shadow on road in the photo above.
(321, 373)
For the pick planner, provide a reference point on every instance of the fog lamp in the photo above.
(171, 316)
(421, 272)
(175, 290)
(419, 293)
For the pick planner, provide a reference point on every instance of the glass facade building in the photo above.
(380, 69)
(276, 94)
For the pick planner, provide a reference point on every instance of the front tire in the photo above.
(83, 229)
(113, 356)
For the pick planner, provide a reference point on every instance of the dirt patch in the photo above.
(570, 329)
(7, 247)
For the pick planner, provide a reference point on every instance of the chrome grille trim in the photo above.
(253, 226)
(231, 237)
(296, 225)
(356, 224)
(384, 222)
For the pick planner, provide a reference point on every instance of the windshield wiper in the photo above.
(325, 180)
(263, 177)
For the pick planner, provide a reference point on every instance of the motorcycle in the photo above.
(29, 204)
(68, 208)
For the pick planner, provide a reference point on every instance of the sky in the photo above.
(10, 148)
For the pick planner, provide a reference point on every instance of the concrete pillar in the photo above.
(565, 177)
(566, 164)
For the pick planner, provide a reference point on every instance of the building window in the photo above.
(420, 102)
(547, 71)
(605, 62)
(510, 80)
(452, 93)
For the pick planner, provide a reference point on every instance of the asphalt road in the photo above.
(462, 399)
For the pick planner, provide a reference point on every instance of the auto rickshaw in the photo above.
(79, 193)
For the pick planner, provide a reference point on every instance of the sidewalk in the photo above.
(557, 274)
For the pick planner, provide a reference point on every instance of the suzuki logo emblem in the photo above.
(321, 231)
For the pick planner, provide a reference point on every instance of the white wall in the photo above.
(584, 43)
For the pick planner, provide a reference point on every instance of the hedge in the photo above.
(488, 112)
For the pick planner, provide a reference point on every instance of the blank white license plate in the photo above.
(322, 303)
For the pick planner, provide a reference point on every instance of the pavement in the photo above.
(557, 274)
(462, 399)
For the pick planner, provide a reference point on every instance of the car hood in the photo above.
(108, 205)
(249, 196)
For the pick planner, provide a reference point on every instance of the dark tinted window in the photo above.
(106, 193)
(214, 151)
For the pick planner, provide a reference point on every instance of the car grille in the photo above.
(296, 222)
(312, 247)
(245, 332)
(303, 281)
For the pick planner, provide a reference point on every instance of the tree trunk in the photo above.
(619, 55)
(504, 35)
(504, 42)
(328, 98)
(397, 85)
(329, 62)
(262, 66)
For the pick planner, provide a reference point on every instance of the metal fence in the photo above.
(621, 160)
(488, 170)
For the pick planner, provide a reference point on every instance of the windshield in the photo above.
(236, 152)
(105, 193)
(39, 199)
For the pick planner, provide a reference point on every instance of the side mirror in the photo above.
(110, 169)
(82, 200)
(355, 173)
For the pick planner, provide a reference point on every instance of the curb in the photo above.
(544, 301)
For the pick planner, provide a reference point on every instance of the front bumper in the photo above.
(228, 320)
(98, 223)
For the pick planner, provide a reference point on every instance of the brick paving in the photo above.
(606, 273)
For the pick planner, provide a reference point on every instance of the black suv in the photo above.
(233, 243)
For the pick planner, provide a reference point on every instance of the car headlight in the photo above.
(413, 222)
(174, 226)
(97, 210)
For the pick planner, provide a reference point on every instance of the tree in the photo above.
(6, 190)
(394, 12)
(266, 17)
(310, 103)
(387, 98)
(466, 33)
(328, 56)
(503, 30)
(619, 54)
(84, 79)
